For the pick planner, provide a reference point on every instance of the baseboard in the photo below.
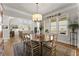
(68, 45)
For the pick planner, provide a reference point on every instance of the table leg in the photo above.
(41, 48)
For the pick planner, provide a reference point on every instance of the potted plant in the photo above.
(74, 26)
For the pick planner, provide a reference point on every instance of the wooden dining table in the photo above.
(41, 45)
(41, 40)
(44, 42)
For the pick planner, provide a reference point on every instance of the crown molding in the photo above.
(61, 10)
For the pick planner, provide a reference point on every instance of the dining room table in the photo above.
(41, 39)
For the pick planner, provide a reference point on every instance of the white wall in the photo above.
(78, 23)
(6, 32)
(71, 12)
(73, 16)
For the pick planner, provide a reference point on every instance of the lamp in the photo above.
(37, 17)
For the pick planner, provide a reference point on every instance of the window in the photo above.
(53, 27)
(63, 26)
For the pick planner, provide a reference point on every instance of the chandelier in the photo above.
(37, 17)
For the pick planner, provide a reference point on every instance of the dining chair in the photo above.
(33, 47)
(49, 47)
(54, 40)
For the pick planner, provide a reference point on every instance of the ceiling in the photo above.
(24, 9)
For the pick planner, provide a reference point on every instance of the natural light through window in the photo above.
(62, 27)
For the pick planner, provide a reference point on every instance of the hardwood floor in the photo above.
(66, 49)
(8, 46)
(62, 49)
